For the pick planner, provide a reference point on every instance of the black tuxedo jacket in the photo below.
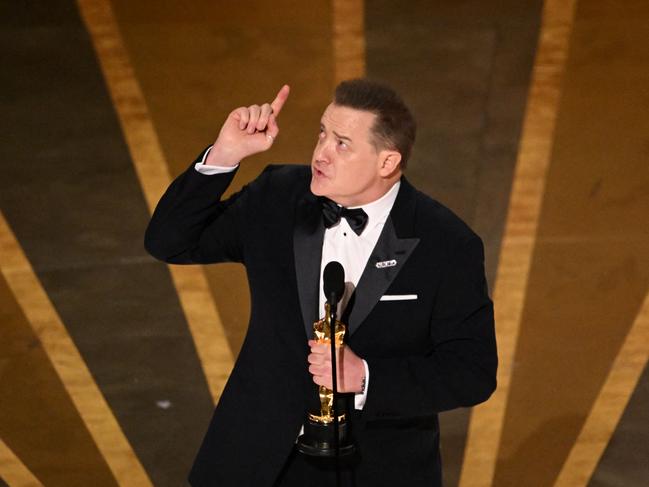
(433, 352)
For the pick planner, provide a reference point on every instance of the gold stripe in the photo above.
(152, 170)
(348, 39)
(485, 427)
(609, 405)
(67, 362)
(13, 471)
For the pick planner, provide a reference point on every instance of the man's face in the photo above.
(346, 167)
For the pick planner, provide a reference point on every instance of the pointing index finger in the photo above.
(280, 99)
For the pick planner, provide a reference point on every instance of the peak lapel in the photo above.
(307, 251)
(390, 253)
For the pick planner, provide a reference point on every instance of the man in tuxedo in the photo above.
(420, 322)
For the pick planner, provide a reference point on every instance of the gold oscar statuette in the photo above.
(322, 330)
(319, 429)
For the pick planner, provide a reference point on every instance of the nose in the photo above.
(321, 152)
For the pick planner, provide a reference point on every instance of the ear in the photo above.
(390, 162)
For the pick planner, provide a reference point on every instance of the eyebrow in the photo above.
(344, 137)
(341, 136)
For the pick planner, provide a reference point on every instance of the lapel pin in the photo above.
(386, 263)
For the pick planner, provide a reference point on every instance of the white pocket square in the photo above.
(398, 297)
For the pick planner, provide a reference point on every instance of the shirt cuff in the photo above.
(359, 399)
(202, 168)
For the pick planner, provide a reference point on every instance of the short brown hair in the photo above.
(394, 127)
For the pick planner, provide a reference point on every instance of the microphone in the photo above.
(326, 432)
(333, 279)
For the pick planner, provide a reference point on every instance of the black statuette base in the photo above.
(317, 440)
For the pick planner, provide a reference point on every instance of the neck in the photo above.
(370, 197)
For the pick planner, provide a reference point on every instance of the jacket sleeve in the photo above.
(458, 369)
(191, 225)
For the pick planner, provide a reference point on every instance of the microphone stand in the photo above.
(333, 306)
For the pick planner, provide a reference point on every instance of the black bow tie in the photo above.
(332, 213)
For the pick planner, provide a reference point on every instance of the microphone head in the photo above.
(333, 279)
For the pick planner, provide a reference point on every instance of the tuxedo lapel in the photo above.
(308, 235)
(388, 257)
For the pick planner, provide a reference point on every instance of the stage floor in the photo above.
(532, 127)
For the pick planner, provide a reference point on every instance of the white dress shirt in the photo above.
(343, 245)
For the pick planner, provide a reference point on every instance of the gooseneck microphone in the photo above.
(333, 279)
(326, 431)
